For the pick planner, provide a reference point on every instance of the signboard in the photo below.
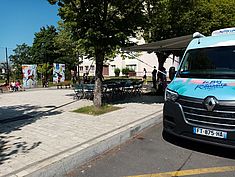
(58, 72)
(29, 76)
(223, 31)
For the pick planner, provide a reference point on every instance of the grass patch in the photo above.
(92, 110)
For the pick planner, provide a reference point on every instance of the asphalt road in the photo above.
(148, 154)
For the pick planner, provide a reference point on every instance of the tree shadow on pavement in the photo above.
(13, 118)
(10, 146)
(143, 99)
(20, 115)
(149, 97)
(73, 95)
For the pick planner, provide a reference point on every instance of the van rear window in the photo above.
(214, 62)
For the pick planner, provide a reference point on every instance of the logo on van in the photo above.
(211, 85)
(210, 102)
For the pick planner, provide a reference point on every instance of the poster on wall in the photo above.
(58, 72)
(29, 76)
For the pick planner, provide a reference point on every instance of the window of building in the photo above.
(87, 67)
(113, 67)
(92, 67)
(80, 68)
(131, 67)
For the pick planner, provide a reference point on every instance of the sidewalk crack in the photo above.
(180, 168)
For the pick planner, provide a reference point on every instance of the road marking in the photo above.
(190, 172)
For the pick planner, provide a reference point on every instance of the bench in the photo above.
(84, 90)
(63, 85)
(4, 88)
(78, 89)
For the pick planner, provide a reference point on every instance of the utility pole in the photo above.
(7, 69)
(77, 70)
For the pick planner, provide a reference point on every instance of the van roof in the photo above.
(212, 41)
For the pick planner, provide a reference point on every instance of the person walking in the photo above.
(154, 77)
(144, 74)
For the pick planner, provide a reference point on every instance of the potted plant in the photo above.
(117, 72)
(131, 72)
(125, 71)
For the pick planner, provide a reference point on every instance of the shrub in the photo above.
(117, 72)
(125, 71)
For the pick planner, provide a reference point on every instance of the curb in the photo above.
(60, 164)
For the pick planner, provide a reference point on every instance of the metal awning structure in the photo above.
(171, 45)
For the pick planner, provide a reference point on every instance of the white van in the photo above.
(200, 100)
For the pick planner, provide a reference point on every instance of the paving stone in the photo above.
(62, 133)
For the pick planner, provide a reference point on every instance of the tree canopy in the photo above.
(43, 49)
(174, 18)
(97, 29)
(67, 49)
(22, 55)
(101, 27)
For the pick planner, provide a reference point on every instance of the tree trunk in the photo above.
(77, 71)
(161, 60)
(98, 79)
(162, 56)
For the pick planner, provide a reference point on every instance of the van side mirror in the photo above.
(172, 73)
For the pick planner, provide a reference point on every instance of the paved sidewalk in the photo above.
(40, 136)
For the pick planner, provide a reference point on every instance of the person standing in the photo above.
(144, 74)
(154, 77)
(162, 82)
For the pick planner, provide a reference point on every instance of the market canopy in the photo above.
(174, 45)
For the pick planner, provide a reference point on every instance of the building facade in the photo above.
(143, 60)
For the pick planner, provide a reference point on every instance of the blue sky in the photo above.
(21, 19)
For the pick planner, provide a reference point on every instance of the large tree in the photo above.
(68, 49)
(101, 27)
(21, 55)
(44, 48)
(174, 18)
(209, 15)
(164, 22)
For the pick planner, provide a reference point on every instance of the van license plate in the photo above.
(209, 132)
